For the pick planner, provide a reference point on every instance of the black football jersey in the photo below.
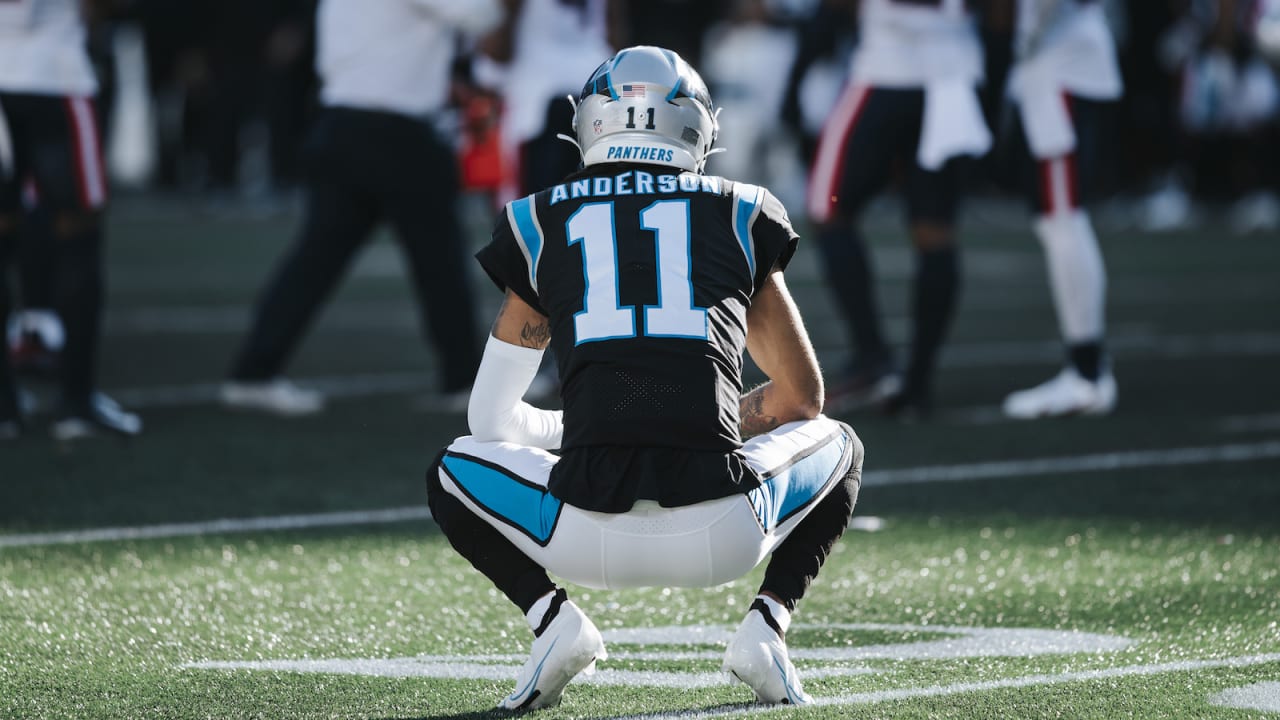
(646, 274)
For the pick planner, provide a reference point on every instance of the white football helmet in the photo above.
(646, 105)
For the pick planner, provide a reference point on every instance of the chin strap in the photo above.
(715, 122)
(713, 151)
(573, 141)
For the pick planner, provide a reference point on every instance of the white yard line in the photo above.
(223, 526)
(999, 354)
(1262, 422)
(1099, 462)
(1263, 696)
(880, 696)
(343, 386)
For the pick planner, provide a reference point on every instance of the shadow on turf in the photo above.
(497, 713)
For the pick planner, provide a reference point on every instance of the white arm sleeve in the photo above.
(496, 410)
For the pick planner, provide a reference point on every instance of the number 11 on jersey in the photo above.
(603, 317)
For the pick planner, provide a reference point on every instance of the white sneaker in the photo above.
(278, 396)
(1166, 209)
(571, 644)
(1066, 394)
(757, 655)
(100, 413)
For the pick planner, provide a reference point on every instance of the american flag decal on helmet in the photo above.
(633, 91)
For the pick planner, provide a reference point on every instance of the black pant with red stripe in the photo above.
(1062, 183)
(52, 143)
(365, 167)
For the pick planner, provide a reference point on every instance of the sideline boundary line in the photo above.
(1239, 452)
(224, 526)
(1236, 452)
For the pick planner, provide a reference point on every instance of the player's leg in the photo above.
(491, 502)
(420, 192)
(1077, 278)
(853, 163)
(10, 417)
(812, 473)
(36, 331)
(932, 198)
(65, 159)
(78, 290)
(339, 216)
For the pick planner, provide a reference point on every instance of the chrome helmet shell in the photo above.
(646, 105)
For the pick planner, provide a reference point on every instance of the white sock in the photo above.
(1077, 276)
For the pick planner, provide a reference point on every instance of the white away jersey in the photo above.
(394, 55)
(42, 49)
(1067, 45)
(913, 43)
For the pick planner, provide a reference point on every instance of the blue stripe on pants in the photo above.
(528, 508)
(791, 490)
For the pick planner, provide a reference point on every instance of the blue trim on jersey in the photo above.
(744, 212)
(528, 234)
(782, 495)
(528, 508)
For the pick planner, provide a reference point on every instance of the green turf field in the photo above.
(242, 566)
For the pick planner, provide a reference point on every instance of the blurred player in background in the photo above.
(1230, 110)
(744, 59)
(649, 279)
(374, 155)
(535, 62)
(49, 133)
(911, 101)
(1064, 71)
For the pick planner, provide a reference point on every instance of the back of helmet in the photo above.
(646, 105)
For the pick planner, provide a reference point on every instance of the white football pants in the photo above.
(700, 545)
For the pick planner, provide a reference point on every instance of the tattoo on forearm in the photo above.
(535, 335)
(752, 418)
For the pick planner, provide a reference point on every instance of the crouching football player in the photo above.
(648, 279)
